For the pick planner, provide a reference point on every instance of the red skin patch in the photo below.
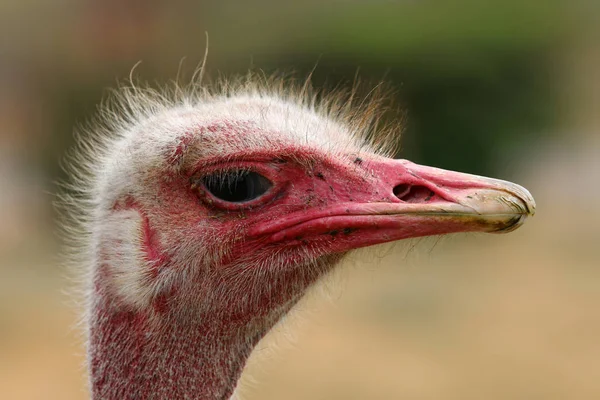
(150, 245)
(175, 158)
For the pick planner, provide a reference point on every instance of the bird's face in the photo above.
(303, 204)
(243, 209)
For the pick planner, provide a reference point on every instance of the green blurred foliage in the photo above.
(474, 77)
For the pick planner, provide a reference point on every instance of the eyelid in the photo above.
(239, 161)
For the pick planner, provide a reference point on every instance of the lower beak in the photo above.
(419, 201)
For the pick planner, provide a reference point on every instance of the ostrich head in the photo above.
(205, 217)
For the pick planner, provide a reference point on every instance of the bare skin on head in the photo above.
(203, 218)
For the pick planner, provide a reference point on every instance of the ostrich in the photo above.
(200, 218)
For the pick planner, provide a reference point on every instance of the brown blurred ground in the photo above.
(468, 317)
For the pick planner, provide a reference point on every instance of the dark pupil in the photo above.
(237, 186)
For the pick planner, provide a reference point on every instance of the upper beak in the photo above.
(412, 200)
(500, 206)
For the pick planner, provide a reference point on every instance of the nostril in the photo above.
(401, 190)
(413, 194)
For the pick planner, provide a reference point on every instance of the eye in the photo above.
(237, 186)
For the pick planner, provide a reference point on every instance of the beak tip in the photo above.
(525, 196)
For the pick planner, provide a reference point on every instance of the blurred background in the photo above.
(504, 88)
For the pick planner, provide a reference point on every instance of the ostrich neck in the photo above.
(133, 355)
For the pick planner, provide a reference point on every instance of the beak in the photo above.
(500, 206)
(403, 200)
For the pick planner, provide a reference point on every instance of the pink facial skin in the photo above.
(354, 202)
